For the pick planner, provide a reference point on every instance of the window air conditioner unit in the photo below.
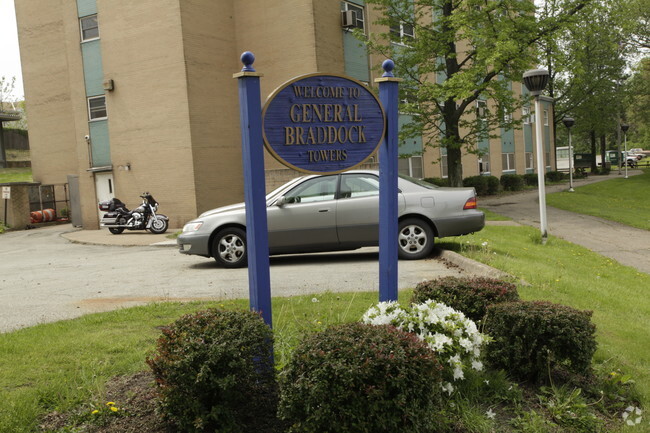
(348, 19)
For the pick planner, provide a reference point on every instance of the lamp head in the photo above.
(536, 80)
(568, 122)
(624, 127)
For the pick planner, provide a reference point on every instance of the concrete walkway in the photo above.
(627, 245)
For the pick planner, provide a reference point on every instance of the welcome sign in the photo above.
(322, 123)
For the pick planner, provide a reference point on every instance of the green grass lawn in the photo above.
(62, 365)
(15, 175)
(568, 274)
(621, 200)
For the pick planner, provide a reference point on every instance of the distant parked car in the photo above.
(337, 212)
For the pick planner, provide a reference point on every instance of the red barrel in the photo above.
(42, 216)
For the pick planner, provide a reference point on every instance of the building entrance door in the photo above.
(104, 188)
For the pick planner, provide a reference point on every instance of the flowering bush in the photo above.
(452, 336)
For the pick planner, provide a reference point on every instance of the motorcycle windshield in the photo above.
(151, 200)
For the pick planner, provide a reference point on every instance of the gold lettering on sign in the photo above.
(296, 135)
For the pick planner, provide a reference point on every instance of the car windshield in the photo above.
(419, 182)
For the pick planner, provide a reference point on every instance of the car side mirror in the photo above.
(286, 200)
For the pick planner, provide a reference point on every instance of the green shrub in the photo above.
(437, 181)
(472, 296)
(479, 183)
(214, 369)
(493, 185)
(532, 337)
(555, 176)
(512, 182)
(530, 179)
(361, 378)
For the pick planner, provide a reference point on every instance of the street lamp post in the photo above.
(569, 122)
(535, 81)
(624, 128)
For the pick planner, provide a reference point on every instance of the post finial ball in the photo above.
(388, 66)
(248, 58)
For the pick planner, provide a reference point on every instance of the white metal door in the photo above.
(104, 188)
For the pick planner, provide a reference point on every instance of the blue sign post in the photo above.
(388, 154)
(317, 123)
(257, 239)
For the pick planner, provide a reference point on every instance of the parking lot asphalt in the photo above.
(59, 272)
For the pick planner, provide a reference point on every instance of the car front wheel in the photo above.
(415, 239)
(229, 248)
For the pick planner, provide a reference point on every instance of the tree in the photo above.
(587, 62)
(460, 52)
(6, 88)
(638, 109)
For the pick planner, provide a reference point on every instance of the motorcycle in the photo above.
(118, 218)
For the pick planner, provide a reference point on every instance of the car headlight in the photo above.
(192, 227)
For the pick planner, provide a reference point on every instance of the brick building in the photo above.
(132, 96)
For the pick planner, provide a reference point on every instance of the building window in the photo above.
(545, 117)
(526, 115)
(411, 166)
(547, 159)
(97, 108)
(402, 32)
(481, 109)
(89, 28)
(358, 13)
(484, 165)
(443, 166)
(508, 161)
(529, 161)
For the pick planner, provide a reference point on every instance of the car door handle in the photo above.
(324, 210)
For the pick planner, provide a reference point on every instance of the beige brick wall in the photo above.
(148, 110)
(17, 206)
(47, 75)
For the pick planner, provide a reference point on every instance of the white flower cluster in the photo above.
(450, 334)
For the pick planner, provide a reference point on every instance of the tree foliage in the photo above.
(638, 109)
(462, 51)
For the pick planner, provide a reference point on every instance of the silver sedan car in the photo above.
(333, 213)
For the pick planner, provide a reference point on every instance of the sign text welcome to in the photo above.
(322, 123)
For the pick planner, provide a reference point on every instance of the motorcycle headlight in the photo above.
(192, 227)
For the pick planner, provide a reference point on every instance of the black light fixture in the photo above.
(536, 80)
(624, 127)
(568, 122)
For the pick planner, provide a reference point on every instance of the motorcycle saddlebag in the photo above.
(109, 218)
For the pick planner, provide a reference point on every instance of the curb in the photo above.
(470, 265)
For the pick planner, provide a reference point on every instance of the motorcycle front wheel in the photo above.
(116, 230)
(158, 226)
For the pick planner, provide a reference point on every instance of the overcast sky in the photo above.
(9, 52)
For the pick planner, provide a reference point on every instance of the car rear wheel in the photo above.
(229, 248)
(415, 239)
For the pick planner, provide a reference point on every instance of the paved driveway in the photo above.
(627, 245)
(45, 277)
